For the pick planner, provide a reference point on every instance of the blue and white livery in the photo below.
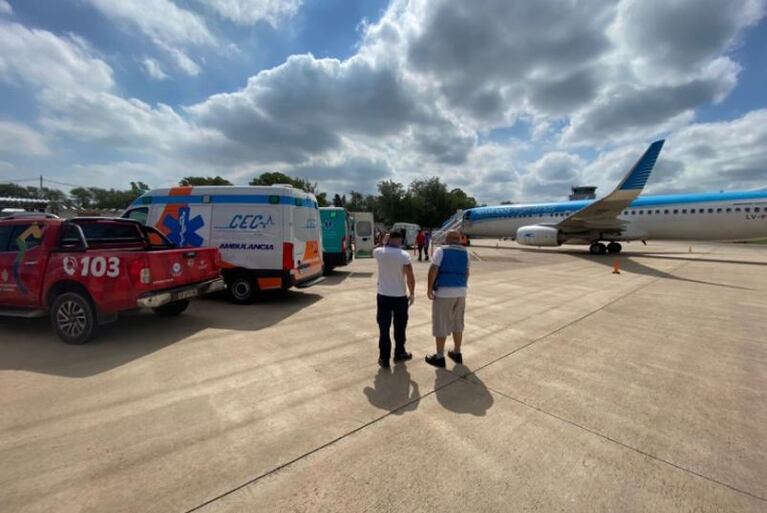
(623, 215)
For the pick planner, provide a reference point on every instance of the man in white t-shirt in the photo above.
(394, 269)
(448, 283)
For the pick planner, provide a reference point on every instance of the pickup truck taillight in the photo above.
(287, 256)
(139, 272)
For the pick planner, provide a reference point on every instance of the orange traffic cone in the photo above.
(617, 266)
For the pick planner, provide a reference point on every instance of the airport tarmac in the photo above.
(582, 391)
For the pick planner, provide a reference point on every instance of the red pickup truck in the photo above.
(83, 271)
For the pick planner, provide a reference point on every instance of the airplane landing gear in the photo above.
(597, 248)
(614, 248)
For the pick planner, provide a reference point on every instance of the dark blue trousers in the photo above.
(391, 309)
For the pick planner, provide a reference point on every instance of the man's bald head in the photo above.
(453, 237)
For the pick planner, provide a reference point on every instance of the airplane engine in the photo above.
(537, 235)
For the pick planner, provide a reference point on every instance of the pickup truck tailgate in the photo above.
(178, 267)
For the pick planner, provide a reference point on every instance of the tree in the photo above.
(15, 191)
(339, 201)
(82, 196)
(275, 178)
(359, 202)
(203, 180)
(391, 204)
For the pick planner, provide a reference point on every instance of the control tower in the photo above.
(583, 192)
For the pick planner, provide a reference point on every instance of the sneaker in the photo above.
(383, 363)
(403, 357)
(436, 360)
(456, 357)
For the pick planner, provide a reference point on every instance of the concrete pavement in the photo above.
(582, 391)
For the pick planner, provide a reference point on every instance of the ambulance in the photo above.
(269, 236)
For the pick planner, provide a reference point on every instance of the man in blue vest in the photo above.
(448, 280)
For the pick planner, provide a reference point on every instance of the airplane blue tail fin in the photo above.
(639, 174)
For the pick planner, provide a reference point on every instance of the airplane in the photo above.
(624, 215)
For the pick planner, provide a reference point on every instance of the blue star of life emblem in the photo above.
(183, 230)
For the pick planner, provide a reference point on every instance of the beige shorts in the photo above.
(447, 315)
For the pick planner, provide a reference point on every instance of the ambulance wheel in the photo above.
(172, 309)
(73, 317)
(614, 248)
(241, 289)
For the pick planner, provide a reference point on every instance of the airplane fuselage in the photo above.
(725, 216)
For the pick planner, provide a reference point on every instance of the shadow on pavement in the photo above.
(629, 262)
(394, 390)
(471, 397)
(31, 344)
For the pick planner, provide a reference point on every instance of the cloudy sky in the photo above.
(508, 99)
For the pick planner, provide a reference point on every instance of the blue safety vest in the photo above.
(453, 268)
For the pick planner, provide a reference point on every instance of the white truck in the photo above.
(410, 232)
(269, 236)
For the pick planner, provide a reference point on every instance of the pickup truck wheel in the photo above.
(241, 290)
(73, 318)
(172, 309)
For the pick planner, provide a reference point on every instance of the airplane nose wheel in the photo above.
(614, 248)
(597, 248)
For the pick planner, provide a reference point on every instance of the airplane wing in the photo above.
(603, 213)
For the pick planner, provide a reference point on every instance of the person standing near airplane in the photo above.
(395, 268)
(448, 284)
(420, 241)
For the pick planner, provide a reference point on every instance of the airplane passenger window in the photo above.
(676, 211)
(692, 210)
(747, 209)
(665, 211)
(756, 209)
(737, 209)
(633, 212)
(641, 212)
(729, 210)
(657, 211)
(649, 212)
(684, 210)
(710, 210)
(718, 210)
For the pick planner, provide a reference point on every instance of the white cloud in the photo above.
(5, 7)
(161, 20)
(19, 139)
(427, 79)
(43, 59)
(181, 60)
(154, 70)
(248, 12)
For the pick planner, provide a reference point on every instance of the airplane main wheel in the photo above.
(614, 248)
(597, 248)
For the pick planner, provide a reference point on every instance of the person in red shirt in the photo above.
(420, 241)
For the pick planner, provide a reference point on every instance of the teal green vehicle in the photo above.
(337, 237)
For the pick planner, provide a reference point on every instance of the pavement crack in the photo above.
(627, 446)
